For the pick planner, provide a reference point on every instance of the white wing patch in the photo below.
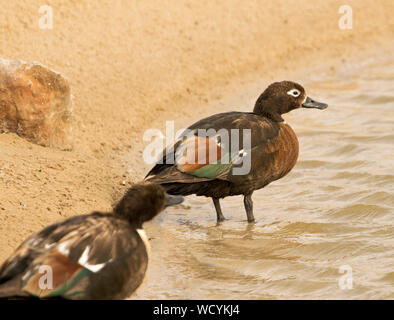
(50, 246)
(242, 153)
(83, 261)
(62, 248)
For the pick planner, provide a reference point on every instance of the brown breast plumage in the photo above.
(287, 151)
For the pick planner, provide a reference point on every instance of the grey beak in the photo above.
(173, 200)
(310, 103)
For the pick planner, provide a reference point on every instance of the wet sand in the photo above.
(133, 65)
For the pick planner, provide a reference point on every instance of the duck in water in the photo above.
(206, 164)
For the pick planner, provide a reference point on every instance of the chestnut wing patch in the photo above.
(204, 157)
(54, 275)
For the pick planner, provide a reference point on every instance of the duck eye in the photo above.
(294, 93)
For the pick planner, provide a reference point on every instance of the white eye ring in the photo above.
(294, 92)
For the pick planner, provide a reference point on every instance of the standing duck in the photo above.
(271, 148)
(94, 256)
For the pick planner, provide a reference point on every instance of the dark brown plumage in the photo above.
(95, 256)
(272, 152)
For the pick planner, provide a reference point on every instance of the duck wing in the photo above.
(195, 157)
(62, 259)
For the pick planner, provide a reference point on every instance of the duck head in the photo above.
(143, 201)
(282, 97)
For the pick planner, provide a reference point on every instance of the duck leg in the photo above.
(219, 213)
(249, 207)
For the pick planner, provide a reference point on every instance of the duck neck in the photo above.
(264, 108)
(135, 221)
(136, 224)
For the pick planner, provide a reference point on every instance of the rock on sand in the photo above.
(35, 103)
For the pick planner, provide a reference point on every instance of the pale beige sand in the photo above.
(133, 64)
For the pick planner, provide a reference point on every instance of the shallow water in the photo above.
(335, 208)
